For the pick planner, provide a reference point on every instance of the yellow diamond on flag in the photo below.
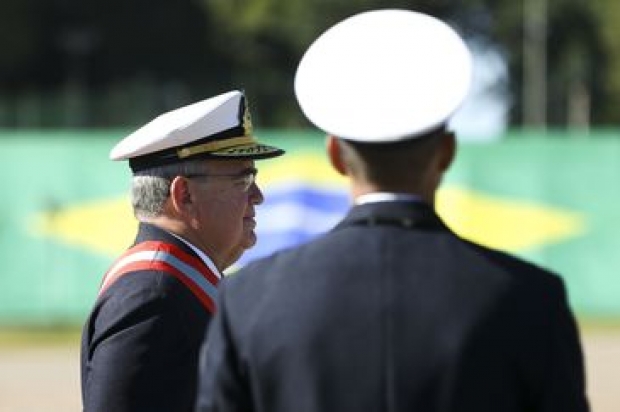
(303, 169)
(107, 226)
(507, 224)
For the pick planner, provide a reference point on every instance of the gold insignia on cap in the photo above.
(247, 119)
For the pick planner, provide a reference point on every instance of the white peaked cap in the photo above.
(383, 76)
(219, 127)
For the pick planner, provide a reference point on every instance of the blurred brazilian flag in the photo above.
(65, 213)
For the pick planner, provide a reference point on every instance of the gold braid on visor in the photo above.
(215, 146)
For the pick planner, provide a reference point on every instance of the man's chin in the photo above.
(249, 240)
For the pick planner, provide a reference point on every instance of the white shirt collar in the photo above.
(207, 261)
(386, 197)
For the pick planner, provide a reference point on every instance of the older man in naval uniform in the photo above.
(194, 194)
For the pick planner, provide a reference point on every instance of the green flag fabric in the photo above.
(553, 199)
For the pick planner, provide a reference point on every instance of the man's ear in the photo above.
(334, 153)
(180, 195)
(447, 150)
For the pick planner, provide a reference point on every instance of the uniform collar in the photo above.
(148, 231)
(202, 255)
(387, 197)
(413, 214)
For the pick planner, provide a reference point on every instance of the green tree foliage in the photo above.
(20, 38)
(109, 63)
(266, 39)
(576, 58)
(608, 27)
(121, 61)
(269, 37)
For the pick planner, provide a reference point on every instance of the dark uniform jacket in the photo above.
(391, 311)
(140, 344)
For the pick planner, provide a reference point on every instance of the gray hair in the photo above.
(150, 188)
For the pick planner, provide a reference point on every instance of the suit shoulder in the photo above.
(272, 269)
(143, 291)
(519, 269)
(285, 258)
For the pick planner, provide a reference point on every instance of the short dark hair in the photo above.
(390, 164)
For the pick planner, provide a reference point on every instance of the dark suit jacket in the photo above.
(140, 344)
(391, 311)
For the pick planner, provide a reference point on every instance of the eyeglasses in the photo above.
(245, 179)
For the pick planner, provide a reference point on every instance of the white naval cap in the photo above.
(383, 76)
(219, 127)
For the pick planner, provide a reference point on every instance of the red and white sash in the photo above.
(156, 255)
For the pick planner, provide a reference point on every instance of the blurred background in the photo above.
(537, 173)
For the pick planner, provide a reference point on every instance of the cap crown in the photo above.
(383, 75)
(217, 127)
(182, 126)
